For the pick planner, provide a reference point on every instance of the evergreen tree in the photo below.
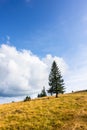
(43, 93)
(56, 82)
(27, 98)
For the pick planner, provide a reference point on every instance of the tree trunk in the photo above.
(56, 95)
(51, 94)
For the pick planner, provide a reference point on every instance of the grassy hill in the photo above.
(68, 112)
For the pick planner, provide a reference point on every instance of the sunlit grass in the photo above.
(68, 112)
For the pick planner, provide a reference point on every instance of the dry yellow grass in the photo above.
(68, 112)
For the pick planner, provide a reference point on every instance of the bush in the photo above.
(43, 93)
(27, 98)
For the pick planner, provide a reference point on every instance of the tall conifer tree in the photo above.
(56, 82)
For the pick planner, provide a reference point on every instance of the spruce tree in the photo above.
(56, 82)
(43, 93)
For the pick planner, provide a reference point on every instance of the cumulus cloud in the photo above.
(23, 73)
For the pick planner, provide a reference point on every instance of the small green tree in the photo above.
(27, 98)
(56, 82)
(43, 93)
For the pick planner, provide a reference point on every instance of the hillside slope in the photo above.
(68, 112)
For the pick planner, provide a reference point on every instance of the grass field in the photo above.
(68, 112)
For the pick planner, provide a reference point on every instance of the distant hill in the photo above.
(68, 112)
(80, 91)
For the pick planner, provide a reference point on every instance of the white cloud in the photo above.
(60, 61)
(23, 73)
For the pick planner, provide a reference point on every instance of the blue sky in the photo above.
(47, 30)
(53, 25)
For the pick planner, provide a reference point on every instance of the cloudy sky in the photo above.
(33, 33)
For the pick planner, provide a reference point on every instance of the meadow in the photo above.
(67, 112)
